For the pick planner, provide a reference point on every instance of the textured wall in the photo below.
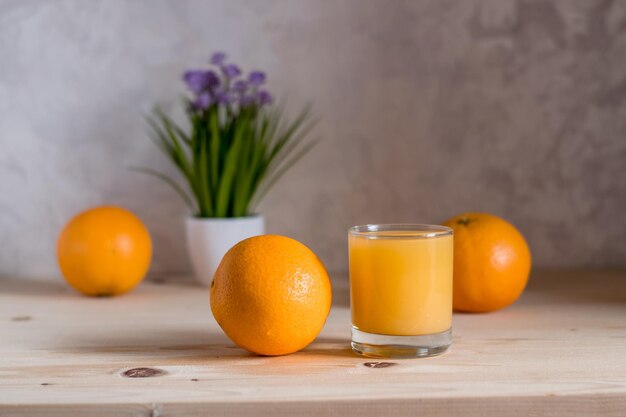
(427, 109)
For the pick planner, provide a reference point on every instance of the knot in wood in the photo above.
(379, 364)
(143, 372)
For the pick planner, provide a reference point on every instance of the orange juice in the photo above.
(401, 281)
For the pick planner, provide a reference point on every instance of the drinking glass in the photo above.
(401, 289)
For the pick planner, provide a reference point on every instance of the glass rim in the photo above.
(422, 231)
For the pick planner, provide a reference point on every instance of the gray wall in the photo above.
(427, 109)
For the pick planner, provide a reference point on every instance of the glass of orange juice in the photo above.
(401, 289)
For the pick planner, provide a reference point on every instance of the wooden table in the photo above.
(561, 350)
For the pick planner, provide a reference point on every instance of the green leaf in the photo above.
(240, 186)
(293, 142)
(202, 173)
(228, 174)
(276, 175)
(293, 127)
(159, 137)
(178, 154)
(179, 190)
(215, 148)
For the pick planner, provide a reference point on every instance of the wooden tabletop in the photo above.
(560, 350)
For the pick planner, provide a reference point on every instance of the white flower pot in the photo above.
(208, 239)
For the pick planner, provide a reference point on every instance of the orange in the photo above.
(491, 262)
(104, 251)
(271, 295)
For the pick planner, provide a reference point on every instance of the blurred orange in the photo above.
(491, 262)
(104, 251)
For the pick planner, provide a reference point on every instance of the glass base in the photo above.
(387, 346)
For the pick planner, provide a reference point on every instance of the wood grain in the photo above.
(561, 350)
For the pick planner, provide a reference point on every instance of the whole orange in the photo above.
(491, 262)
(104, 251)
(271, 295)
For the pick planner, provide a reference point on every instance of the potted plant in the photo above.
(235, 148)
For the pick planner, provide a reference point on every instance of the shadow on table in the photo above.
(188, 346)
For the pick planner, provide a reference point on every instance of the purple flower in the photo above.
(240, 86)
(228, 88)
(218, 58)
(199, 80)
(203, 101)
(224, 98)
(256, 78)
(264, 97)
(231, 71)
(247, 100)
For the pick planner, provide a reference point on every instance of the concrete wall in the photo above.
(427, 109)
